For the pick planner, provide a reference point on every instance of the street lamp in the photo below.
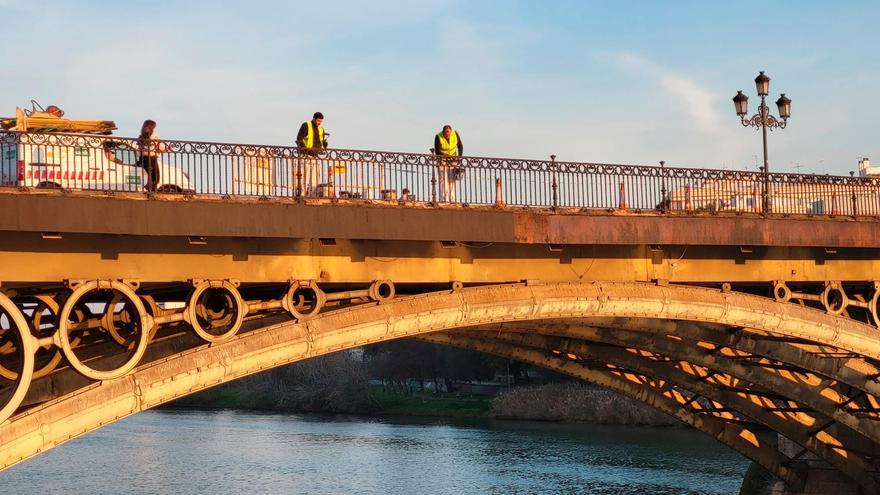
(763, 120)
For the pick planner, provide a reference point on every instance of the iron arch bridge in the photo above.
(745, 304)
(727, 362)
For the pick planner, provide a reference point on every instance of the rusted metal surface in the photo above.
(133, 215)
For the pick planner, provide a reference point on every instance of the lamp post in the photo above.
(764, 121)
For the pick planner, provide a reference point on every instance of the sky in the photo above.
(631, 82)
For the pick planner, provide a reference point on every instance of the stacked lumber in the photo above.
(47, 122)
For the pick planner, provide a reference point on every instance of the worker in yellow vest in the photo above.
(312, 138)
(448, 147)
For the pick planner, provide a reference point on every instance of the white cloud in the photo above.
(696, 102)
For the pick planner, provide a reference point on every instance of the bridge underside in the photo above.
(731, 364)
(737, 325)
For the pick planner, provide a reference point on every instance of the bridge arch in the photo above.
(773, 377)
(676, 375)
(660, 394)
(166, 379)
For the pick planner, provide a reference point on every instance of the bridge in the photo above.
(671, 286)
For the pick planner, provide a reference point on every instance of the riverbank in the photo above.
(554, 402)
(575, 403)
(380, 404)
(341, 383)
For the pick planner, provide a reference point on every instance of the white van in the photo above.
(93, 162)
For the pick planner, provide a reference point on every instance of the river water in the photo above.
(231, 452)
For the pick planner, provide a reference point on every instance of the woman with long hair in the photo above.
(149, 152)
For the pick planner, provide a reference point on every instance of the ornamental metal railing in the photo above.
(110, 163)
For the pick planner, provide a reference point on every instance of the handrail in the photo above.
(288, 171)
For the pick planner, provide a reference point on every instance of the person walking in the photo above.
(149, 148)
(312, 139)
(448, 147)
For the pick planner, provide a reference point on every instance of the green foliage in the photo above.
(431, 405)
(337, 383)
(402, 363)
(517, 371)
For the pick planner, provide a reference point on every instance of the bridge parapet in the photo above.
(105, 163)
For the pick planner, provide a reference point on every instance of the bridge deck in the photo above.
(173, 215)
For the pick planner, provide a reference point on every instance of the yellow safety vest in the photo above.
(310, 137)
(448, 148)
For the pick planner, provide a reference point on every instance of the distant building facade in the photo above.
(798, 194)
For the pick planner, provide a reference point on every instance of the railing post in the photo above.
(716, 198)
(765, 201)
(499, 196)
(435, 163)
(664, 201)
(854, 197)
(298, 164)
(554, 185)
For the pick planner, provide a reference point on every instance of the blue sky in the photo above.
(622, 82)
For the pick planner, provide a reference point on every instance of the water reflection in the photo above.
(184, 453)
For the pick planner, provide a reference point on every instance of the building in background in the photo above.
(799, 194)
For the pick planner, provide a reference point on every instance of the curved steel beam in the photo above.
(43, 427)
(659, 395)
(796, 427)
(821, 359)
(818, 395)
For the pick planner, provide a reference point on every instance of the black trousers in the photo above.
(151, 165)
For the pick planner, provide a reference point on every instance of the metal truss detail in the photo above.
(723, 362)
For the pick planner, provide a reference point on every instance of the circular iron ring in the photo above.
(304, 300)
(44, 302)
(781, 292)
(873, 307)
(231, 316)
(833, 306)
(381, 290)
(24, 376)
(63, 334)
